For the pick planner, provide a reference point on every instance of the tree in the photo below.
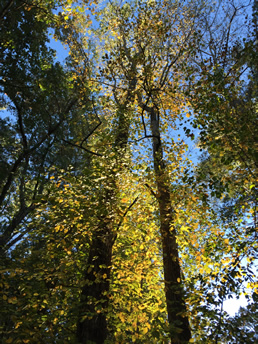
(124, 243)
(226, 118)
(138, 49)
(39, 112)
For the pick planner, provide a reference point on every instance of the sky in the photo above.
(231, 306)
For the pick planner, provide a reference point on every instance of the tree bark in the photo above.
(92, 323)
(176, 307)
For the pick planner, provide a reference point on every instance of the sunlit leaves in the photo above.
(124, 60)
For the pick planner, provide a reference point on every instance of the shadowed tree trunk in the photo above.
(177, 316)
(92, 323)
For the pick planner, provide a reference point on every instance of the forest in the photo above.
(128, 171)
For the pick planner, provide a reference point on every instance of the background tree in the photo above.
(226, 117)
(36, 112)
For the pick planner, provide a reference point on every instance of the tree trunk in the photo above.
(176, 308)
(92, 323)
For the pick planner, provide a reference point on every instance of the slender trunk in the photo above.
(92, 323)
(176, 308)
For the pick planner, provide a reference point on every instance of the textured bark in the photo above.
(176, 308)
(92, 323)
(93, 326)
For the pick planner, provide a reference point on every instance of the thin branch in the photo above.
(27, 152)
(125, 213)
(91, 132)
(228, 36)
(15, 240)
(143, 138)
(38, 189)
(144, 106)
(21, 126)
(143, 123)
(107, 84)
(8, 231)
(6, 9)
(95, 128)
(81, 147)
(152, 192)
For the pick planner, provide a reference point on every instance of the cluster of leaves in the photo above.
(91, 174)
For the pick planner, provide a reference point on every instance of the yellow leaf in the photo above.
(198, 257)
(188, 115)
(226, 241)
(122, 318)
(18, 324)
(145, 330)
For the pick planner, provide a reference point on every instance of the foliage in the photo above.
(109, 231)
(242, 328)
(38, 116)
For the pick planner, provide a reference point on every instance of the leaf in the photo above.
(145, 330)
(42, 87)
(12, 300)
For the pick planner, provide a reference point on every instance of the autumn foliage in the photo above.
(128, 171)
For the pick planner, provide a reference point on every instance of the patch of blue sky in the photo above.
(61, 51)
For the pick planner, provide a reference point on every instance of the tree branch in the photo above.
(125, 213)
(81, 147)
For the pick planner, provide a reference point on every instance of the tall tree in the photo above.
(225, 113)
(38, 114)
(89, 268)
(93, 326)
(149, 29)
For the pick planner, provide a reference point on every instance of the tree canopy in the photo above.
(110, 231)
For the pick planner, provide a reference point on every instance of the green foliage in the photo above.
(42, 106)
(97, 198)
